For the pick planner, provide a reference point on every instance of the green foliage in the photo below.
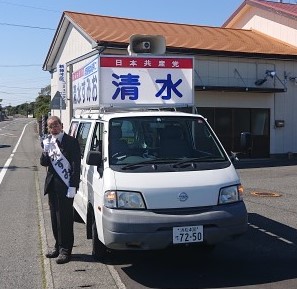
(40, 107)
(42, 103)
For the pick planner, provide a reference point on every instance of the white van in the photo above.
(151, 179)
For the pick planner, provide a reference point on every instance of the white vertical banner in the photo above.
(61, 69)
(85, 85)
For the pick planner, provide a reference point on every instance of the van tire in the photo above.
(99, 250)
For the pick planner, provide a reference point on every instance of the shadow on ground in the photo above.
(255, 258)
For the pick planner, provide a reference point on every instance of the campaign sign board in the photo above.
(85, 86)
(134, 81)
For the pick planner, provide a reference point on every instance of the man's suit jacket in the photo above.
(70, 148)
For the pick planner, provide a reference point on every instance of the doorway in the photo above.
(229, 123)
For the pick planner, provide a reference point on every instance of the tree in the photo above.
(37, 108)
(42, 102)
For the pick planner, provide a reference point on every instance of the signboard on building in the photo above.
(134, 81)
(61, 68)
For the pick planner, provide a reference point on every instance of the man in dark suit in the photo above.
(61, 155)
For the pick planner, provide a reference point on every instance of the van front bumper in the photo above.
(149, 230)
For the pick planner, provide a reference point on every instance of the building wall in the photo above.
(225, 71)
(216, 71)
(284, 28)
(74, 45)
(275, 25)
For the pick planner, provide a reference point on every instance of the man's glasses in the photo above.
(53, 125)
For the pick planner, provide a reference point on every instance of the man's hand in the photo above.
(46, 147)
(71, 192)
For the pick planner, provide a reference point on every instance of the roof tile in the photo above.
(203, 38)
(288, 8)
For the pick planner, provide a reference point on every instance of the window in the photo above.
(162, 138)
(73, 128)
(96, 142)
(82, 135)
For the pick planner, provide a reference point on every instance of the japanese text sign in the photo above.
(61, 68)
(134, 81)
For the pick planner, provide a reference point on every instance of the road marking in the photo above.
(7, 134)
(116, 277)
(271, 234)
(6, 165)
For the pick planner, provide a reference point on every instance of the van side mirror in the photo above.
(246, 142)
(94, 158)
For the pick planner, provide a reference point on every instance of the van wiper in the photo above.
(150, 161)
(192, 160)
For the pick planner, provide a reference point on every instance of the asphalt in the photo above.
(82, 271)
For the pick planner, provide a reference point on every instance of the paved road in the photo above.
(265, 257)
(25, 223)
(20, 260)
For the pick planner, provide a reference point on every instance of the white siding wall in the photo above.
(220, 71)
(274, 25)
(74, 45)
(283, 140)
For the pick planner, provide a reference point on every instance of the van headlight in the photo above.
(230, 194)
(123, 200)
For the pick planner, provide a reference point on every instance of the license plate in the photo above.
(189, 234)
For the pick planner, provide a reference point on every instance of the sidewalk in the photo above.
(82, 271)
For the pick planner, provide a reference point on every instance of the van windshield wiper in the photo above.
(192, 160)
(150, 161)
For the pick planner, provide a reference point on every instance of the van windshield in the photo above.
(180, 141)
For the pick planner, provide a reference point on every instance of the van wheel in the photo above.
(99, 250)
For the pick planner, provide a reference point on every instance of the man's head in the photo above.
(54, 125)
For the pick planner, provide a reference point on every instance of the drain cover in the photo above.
(265, 194)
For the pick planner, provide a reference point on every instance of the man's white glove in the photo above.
(46, 147)
(71, 192)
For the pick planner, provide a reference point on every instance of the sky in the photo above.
(27, 29)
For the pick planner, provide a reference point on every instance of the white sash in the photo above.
(59, 162)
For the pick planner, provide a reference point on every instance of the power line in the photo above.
(20, 65)
(26, 26)
(14, 92)
(27, 6)
(19, 87)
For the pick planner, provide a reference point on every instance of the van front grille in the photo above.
(183, 211)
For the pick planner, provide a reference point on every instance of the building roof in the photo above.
(287, 9)
(119, 30)
(115, 32)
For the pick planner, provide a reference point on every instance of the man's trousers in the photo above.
(61, 210)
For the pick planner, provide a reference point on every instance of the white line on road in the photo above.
(271, 234)
(116, 277)
(7, 134)
(6, 165)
